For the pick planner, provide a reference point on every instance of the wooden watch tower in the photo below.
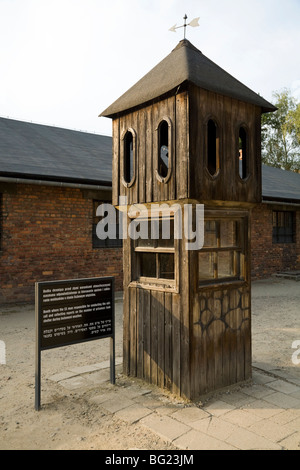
(188, 132)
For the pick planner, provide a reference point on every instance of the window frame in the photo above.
(288, 232)
(154, 283)
(125, 157)
(217, 147)
(164, 179)
(238, 253)
(244, 164)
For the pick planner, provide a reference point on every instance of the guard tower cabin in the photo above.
(189, 132)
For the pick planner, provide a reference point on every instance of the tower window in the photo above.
(213, 147)
(243, 154)
(163, 149)
(128, 157)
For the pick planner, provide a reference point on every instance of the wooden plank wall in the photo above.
(147, 188)
(229, 114)
(221, 352)
(189, 112)
(152, 340)
(159, 348)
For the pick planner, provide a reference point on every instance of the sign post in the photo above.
(70, 312)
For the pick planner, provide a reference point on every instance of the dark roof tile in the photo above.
(184, 64)
(32, 150)
(35, 150)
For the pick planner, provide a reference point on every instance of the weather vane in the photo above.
(193, 23)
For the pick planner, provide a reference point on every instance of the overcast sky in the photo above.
(62, 62)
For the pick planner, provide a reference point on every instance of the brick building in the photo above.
(275, 224)
(51, 182)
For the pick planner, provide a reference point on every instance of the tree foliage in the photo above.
(281, 133)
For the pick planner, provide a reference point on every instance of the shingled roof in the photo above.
(280, 185)
(184, 64)
(37, 151)
(34, 151)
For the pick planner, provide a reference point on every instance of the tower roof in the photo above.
(185, 64)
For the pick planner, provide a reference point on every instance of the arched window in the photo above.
(129, 163)
(243, 153)
(163, 149)
(213, 147)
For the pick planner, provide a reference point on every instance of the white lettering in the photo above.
(295, 358)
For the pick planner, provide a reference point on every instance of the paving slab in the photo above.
(117, 403)
(133, 413)
(166, 427)
(283, 400)
(272, 431)
(286, 416)
(263, 409)
(261, 377)
(83, 369)
(190, 414)
(150, 402)
(61, 376)
(258, 391)
(242, 418)
(282, 386)
(133, 392)
(215, 427)
(238, 399)
(99, 377)
(296, 394)
(167, 410)
(247, 440)
(292, 442)
(195, 440)
(75, 383)
(218, 408)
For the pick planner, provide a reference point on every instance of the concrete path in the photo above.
(262, 415)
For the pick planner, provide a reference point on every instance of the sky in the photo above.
(62, 62)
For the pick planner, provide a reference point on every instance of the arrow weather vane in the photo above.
(193, 23)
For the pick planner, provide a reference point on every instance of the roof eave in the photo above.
(55, 179)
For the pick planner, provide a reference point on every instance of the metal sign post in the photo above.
(70, 312)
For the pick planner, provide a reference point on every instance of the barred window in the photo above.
(284, 227)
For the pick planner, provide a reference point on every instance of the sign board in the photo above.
(73, 311)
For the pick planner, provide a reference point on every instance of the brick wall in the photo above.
(268, 257)
(47, 235)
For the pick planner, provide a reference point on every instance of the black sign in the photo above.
(75, 311)
(70, 312)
